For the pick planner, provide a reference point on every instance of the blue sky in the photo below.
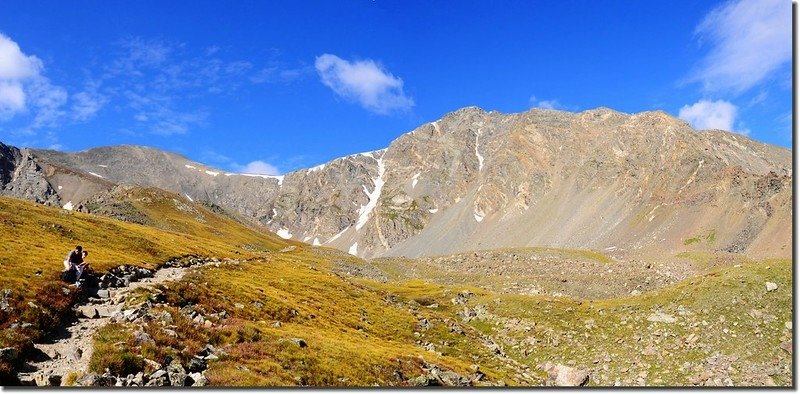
(260, 86)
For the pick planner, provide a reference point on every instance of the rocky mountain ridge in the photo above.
(598, 179)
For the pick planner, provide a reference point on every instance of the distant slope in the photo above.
(598, 179)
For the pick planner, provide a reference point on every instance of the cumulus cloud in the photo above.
(16, 71)
(706, 114)
(365, 82)
(259, 167)
(749, 40)
(25, 90)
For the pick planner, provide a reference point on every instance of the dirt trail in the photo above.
(71, 348)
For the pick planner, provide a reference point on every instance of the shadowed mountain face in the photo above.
(630, 184)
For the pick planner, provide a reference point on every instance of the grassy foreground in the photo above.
(34, 240)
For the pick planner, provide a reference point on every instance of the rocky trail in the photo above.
(70, 349)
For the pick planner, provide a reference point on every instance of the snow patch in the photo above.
(316, 242)
(102, 165)
(366, 210)
(187, 196)
(212, 173)
(478, 154)
(478, 214)
(68, 206)
(284, 233)
(99, 176)
(353, 249)
(317, 168)
(338, 235)
(436, 127)
(434, 210)
(414, 180)
(188, 166)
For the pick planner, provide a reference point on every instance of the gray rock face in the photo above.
(22, 177)
(596, 179)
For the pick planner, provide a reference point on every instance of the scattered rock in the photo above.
(650, 351)
(142, 338)
(297, 341)
(635, 293)
(424, 324)
(772, 286)
(787, 346)
(662, 318)
(788, 325)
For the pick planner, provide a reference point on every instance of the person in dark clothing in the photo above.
(74, 259)
(71, 263)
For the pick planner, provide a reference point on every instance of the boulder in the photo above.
(207, 350)
(771, 286)
(197, 364)
(297, 341)
(562, 375)
(88, 380)
(9, 354)
(179, 379)
(74, 354)
(158, 374)
(88, 311)
(787, 346)
(106, 311)
(46, 379)
(142, 338)
(198, 379)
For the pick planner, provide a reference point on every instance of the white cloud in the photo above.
(365, 82)
(706, 114)
(86, 104)
(545, 104)
(749, 39)
(16, 70)
(12, 98)
(15, 65)
(259, 167)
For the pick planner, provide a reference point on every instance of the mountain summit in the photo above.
(600, 179)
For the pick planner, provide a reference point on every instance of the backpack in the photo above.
(69, 276)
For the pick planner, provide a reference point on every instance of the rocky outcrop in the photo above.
(22, 177)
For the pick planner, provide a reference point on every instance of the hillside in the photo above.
(290, 314)
(643, 184)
